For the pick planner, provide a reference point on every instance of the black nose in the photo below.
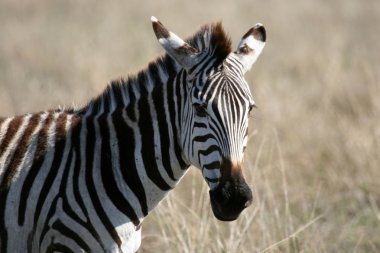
(230, 198)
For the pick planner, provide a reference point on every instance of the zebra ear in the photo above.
(179, 50)
(250, 46)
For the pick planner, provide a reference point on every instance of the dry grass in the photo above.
(314, 153)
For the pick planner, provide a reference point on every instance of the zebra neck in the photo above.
(138, 121)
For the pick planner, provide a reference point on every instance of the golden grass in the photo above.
(314, 151)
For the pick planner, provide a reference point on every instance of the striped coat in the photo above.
(83, 180)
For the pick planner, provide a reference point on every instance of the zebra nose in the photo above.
(249, 200)
(244, 197)
(248, 203)
(229, 199)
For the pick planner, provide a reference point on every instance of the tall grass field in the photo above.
(313, 158)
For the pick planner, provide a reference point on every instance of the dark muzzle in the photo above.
(230, 198)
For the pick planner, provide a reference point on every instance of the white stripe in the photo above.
(157, 142)
(4, 127)
(112, 104)
(174, 163)
(125, 94)
(212, 174)
(123, 187)
(12, 210)
(35, 190)
(117, 218)
(44, 171)
(12, 146)
(70, 187)
(153, 193)
(93, 216)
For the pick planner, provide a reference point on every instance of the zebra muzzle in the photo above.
(230, 198)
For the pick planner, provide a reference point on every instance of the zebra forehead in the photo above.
(226, 90)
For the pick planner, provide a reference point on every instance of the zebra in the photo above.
(83, 180)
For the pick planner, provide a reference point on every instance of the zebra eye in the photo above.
(251, 107)
(200, 109)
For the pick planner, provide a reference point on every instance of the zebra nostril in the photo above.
(248, 203)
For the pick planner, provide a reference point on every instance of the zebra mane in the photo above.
(214, 38)
(211, 37)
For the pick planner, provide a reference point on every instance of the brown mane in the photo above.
(220, 42)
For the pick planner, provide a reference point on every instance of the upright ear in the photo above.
(186, 55)
(250, 46)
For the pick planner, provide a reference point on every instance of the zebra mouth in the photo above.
(229, 199)
(222, 212)
(223, 218)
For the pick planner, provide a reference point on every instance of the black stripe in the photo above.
(58, 247)
(147, 137)
(75, 178)
(168, 64)
(199, 125)
(205, 69)
(39, 158)
(132, 100)
(203, 138)
(65, 203)
(96, 104)
(182, 88)
(59, 148)
(46, 226)
(69, 233)
(237, 93)
(116, 88)
(217, 129)
(203, 43)
(107, 99)
(77, 145)
(3, 230)
(218, 122)
(60, 144)
(19, 151)
(126, 145)
(212, 180)
(90, 144)
(231, 112)
(216, 85)
(53, 171)
(231, 66)
(158, 100)
(208, 151)
(108, 177)
(172, 116)
(87, 225)
(213, 165)
(12, 130)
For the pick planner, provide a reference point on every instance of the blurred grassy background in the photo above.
(314, 151)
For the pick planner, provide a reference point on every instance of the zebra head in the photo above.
(216, 109)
